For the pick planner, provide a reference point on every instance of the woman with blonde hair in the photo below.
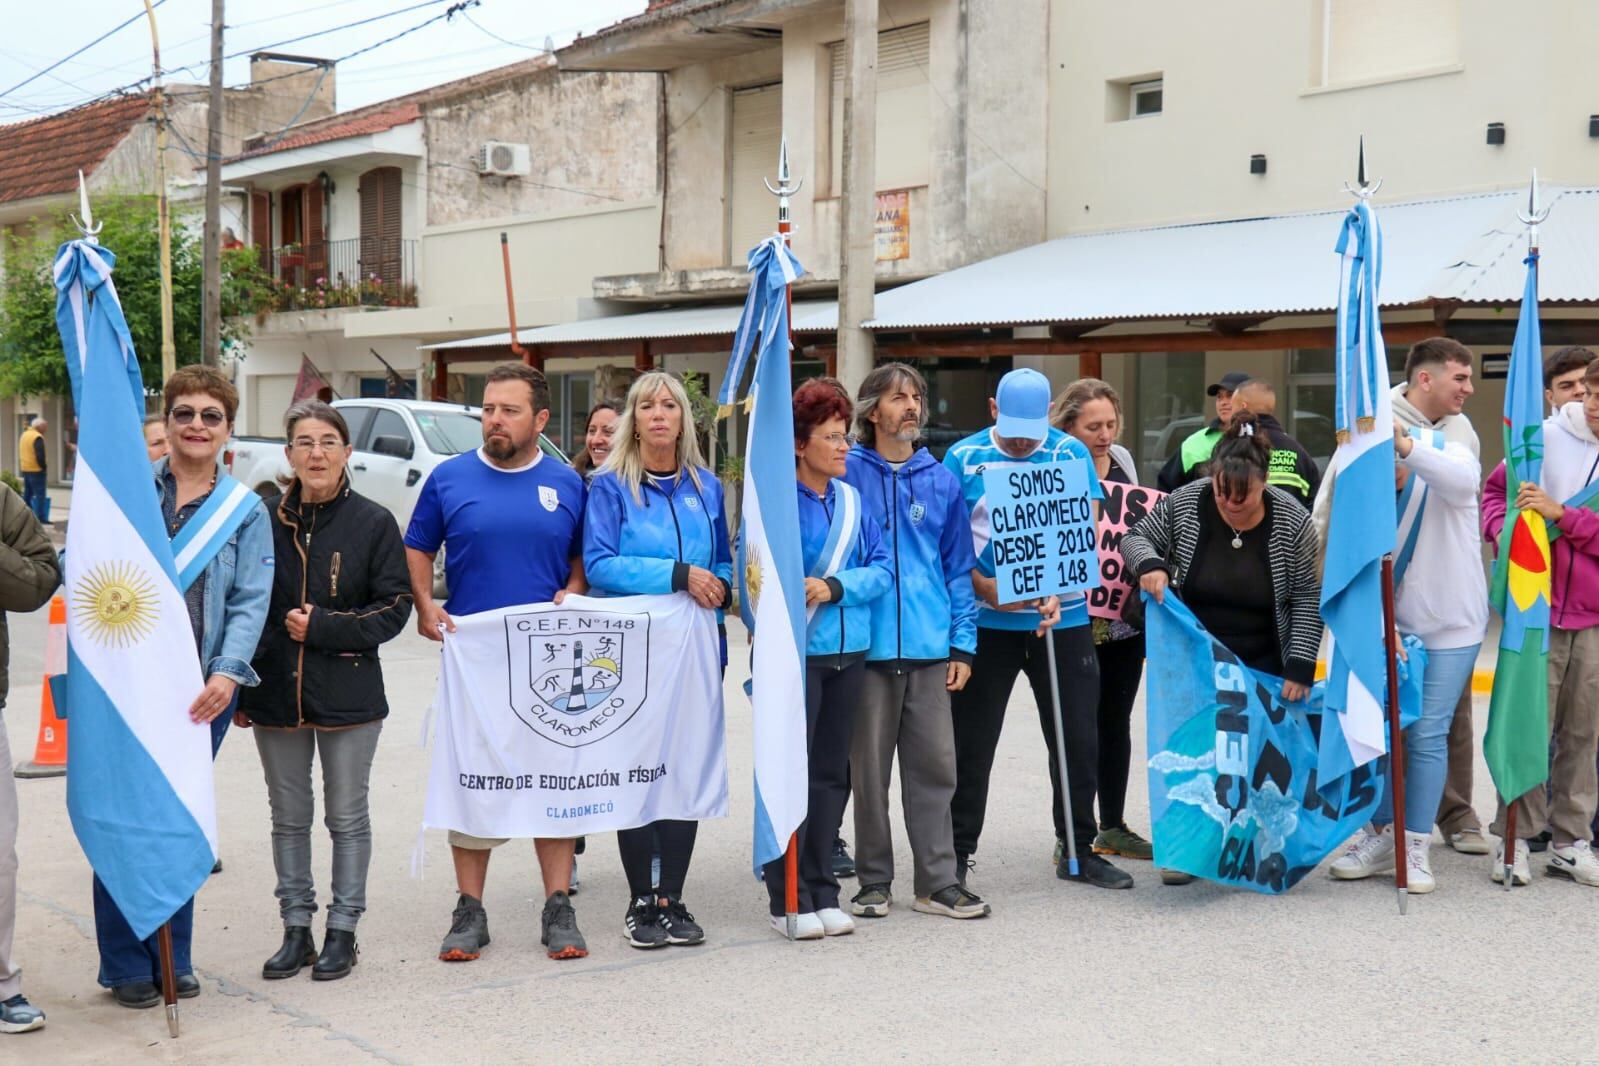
(656, 524)
(1090, 410)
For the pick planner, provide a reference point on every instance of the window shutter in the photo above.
(904, 121)
(380, 225)
(316, 238)
(757, 133)
(261, 225)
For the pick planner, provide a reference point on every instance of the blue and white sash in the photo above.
(203, 535)
(842, 537)
(1412, 505)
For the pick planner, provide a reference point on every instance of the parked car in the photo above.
(397, 445)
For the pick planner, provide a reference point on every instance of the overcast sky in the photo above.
(494, 33)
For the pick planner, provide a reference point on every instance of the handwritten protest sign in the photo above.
(1123, 507)
(1042, 523)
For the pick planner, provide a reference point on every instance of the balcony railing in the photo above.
(358, 272)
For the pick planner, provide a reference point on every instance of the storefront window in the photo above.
(1171, 404)
(957, 397)
(1313, 398)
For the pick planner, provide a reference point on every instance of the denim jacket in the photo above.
(238, 588)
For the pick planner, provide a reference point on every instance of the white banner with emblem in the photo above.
(598, 714)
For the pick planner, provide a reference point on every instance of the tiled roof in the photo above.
(356, 123)
(42, 156)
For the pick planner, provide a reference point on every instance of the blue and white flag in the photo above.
(1362, 522)
(139, 770)
(770, 567)
(1235, 790)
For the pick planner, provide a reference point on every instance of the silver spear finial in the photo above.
(1533, 216)
(1362, 189)
(84, 220)
(786, 186)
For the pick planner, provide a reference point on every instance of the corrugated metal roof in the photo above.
(1467, 248)
(698, 321)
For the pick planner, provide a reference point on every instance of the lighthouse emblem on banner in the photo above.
(570, 680)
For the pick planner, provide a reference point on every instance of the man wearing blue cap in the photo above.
(1010, 640)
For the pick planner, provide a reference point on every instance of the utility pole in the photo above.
(858, 209)
(169, 351)
(211, 327)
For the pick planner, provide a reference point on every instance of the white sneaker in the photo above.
(1418, 869)
(806, 927)
(1576, 862)
(835, 922)
(1369, 853)
(1521, 873)
(1469, 842)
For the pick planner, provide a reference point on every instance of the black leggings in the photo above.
(672, 840)
(1121, 667)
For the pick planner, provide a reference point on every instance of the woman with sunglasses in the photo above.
(847, 566)
(341, 589)
(227, 606)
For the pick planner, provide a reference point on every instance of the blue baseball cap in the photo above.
(1023, 400)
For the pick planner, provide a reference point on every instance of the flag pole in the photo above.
(784, 189)
(169, 980)
(1529, 218)
(1396, 736)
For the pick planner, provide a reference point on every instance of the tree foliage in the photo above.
(31, 359)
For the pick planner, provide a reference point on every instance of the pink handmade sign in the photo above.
(1123, 506)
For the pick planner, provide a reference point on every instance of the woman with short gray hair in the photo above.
(340, 589)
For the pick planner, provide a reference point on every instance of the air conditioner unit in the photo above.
(504, 158)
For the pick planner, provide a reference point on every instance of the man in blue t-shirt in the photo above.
(511, 522)
(1010, 640)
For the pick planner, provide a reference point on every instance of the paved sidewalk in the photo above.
(1060, 973)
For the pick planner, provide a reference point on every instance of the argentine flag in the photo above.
(771, 570)
(1363, 522)
(139, 770)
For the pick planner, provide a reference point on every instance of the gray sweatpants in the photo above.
(10, 975)
(346, 756)
(909, 712)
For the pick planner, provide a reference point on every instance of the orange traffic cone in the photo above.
(50, 753)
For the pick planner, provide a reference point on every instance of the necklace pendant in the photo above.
(1238, 541)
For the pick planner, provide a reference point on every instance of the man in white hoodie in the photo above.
(1441, 591)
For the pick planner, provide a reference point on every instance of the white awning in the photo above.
(1467, 248)
(810, 316)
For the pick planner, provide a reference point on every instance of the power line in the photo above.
(115, 29)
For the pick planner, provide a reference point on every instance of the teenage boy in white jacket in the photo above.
(1441, 593)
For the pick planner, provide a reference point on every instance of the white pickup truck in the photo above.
(397, 445)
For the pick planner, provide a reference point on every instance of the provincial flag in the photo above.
(139, 787)
(1516, 746)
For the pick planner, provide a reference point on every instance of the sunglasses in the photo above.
(183, 416)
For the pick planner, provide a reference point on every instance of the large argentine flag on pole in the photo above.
(771, 570)
(139, 771)
(1362, 525)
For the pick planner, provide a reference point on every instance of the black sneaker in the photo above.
(952, 901)
(560, 935)
(680, 926)
(469, 931)
(1093, 870)
(843, 863)
(642, 927)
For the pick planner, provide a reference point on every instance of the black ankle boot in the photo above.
(338, 958)
(298, 950)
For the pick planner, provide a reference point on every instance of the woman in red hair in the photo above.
(846, 568)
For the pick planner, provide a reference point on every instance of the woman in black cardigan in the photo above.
(339, 590)
(1242, 556)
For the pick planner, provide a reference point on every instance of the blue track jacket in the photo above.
(844, 625)
(930, 613)
(646, 546)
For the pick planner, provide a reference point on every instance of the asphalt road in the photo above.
(1060, 973)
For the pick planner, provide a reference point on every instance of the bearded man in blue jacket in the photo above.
(924, 632)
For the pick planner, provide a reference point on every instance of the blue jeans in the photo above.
(34, 495)
(124, 959)
(1427, 739)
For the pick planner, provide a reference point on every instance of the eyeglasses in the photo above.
(327, 445)
(211, 416)
(837, 439)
